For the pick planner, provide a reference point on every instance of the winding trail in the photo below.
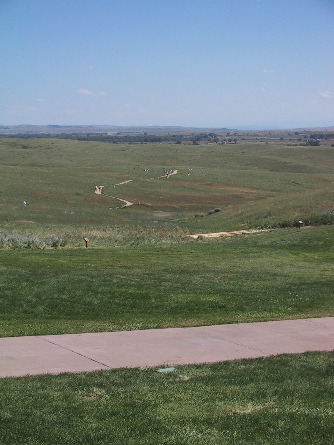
(126, 203)
(124, 182)
(99, 189)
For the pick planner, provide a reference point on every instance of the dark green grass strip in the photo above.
(267, 276)
(283, 399)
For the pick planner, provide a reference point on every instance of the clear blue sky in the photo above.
(203, 63)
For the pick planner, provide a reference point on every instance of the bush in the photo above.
(211, 212)
(58, 242)
(15, 241)
(12, 241)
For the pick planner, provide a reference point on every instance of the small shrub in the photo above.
(58, 242)
(13, 241)
(211, 212)
(33, 241)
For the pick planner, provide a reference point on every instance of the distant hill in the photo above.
(106, 129)
(53, 129)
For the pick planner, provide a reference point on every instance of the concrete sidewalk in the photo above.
(55, 354)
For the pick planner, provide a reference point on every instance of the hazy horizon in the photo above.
(176, 127)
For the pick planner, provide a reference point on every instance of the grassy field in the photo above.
(283, 399)
(142, 271)
(284, 273)
(253, 184)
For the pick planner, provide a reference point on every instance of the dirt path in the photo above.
(226, 234)
(168, 174)
(126, 203)
(99, 188)
(124, 182)
(174, 172)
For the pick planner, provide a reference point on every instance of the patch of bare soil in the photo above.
(161, 214)
(226, 234)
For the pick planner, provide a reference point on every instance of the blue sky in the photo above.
(202, 63)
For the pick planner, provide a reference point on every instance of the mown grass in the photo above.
(286, 273)
(286, 399)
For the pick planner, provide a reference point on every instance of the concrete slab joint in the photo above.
(55, 354)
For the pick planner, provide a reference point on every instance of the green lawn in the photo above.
(283, 399)
(285, 273)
